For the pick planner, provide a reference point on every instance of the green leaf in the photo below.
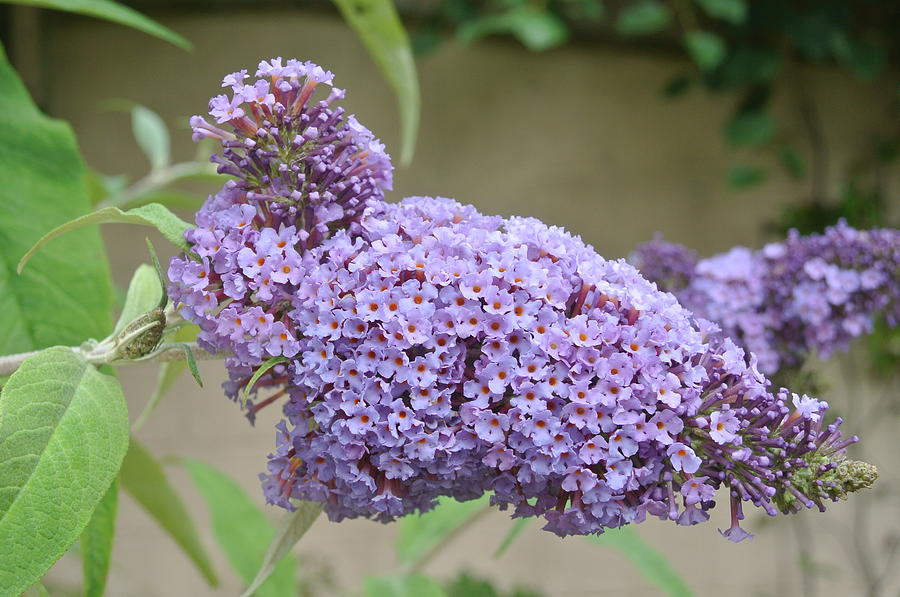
(36, 590)
(792, 161)
(169, 372)
(676, 87)
(706, 49)
(864, 59)
(537, 29)
(169, 225)
(151, 135)
(733, 11)
(97, 543)
(143, 295)
(63, 433)
(743, 176)
(379, 27)
(144, 478)
(750, 129)
(643, 17)
(291, 530)
(414, 585)
(518, 526)
(242, 530)
(245, 393)
(418, 534)
(111, 11)
(654, 568)
(66, 296)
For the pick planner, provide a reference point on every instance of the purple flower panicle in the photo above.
(807, 294)
(429, 350)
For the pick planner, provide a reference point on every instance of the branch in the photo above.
(165, 353)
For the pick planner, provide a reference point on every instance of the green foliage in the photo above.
(111, 11)
(643, 17)
(518, 526)
(97, 543)
(536, 29)
(707, 49)
(168, 374)
(146, 481)
(466, 585)
(63, 434)
(262, 370)
(152, 136)
(418, 534)
(168, 224)
(414, 585)
(745, 176)
(750, 129)
(291, 530)
(65, 297)
(379, 27)
(654, 568)
(242, 530)
(144, 293)
(733, 11)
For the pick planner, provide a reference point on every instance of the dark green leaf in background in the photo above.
(111, 11)
(63, 433)
(792, 161)
(97, 543)
(242, 531)
(706, 49)
(643, 17)
(537, 29)
(146, 481)
(750, 129)
(66, 296)
(378, 25)
(733, 11)
(744, 176)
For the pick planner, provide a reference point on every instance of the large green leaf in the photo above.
(242, 531)
(153, 214)
(144, 478)
(111, 11)
(378, 25)
(66, 296)
(97, 543)
(654, 568)
(418, 534)
(291, 530)
(63, 434)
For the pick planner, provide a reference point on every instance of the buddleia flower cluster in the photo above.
(422, 349)
(808, 294)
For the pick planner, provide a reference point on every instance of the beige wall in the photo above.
(577, 137)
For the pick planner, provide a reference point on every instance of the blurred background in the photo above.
(573, 118)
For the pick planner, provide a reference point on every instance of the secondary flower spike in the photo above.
(807, 294)
(423, 349)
